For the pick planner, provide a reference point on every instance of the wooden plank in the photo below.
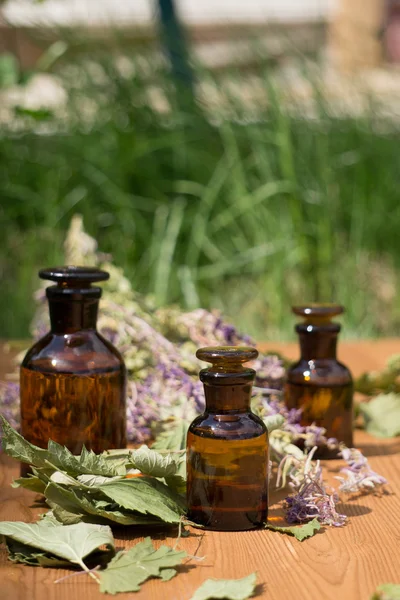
(346, 563)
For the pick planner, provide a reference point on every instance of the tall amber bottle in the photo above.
(318, 383)
(227, 447)
(73, 380)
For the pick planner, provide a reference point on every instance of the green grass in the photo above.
(207, 207)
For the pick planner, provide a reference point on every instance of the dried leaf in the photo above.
(150, 462)
(56, 456)
(301, 532)
(387, 591)
(72, 543)
(230, 589)
(74, 505)
(31, 482)
(382, 415)
(146, 495)
(171, 435)
(95, 480)
(128, 570)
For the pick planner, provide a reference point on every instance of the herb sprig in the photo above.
(141, 487)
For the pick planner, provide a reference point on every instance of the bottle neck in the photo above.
(69, 315)
(318, 342)
(227, 392)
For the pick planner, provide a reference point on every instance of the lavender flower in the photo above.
(315, 436)
(270, 371)
(201, 327)
(359, 476)
(9, 402)
(311, 499)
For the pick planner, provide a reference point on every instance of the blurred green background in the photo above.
(246, 197)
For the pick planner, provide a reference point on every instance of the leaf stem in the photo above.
(78, 573)
(88, 571)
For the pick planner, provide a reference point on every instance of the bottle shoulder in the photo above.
(319, 371)
(228, 426)
(83, 351)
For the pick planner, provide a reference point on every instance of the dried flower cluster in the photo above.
(358, 475)
(159, 346)
(311, 497)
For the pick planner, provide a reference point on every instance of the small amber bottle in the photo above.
(73, 380)
(318, 384)
(227, 447)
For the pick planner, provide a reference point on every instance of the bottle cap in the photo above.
(73, 276)
(73, 282)
(226, 361)
(318, 317)
(227, 355)
(318, 310)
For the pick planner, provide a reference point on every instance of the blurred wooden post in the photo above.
(174, 40)
(355, 34)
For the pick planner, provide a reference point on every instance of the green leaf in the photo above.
(176, 483)
(382, 415)
(16, 446)
(31, 482)
(387, 591)
(74, 505)
(128, 570)
(56, 456)
(167, 574)
(96, 464)
(301, 532)
(88, 463)
(171, 435)
(230, 589)
(72, 543)
(95, 480)
(21, 553)
(146, 495)
(151, 462)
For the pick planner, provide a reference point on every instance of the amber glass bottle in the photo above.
(319, 384)
(73, 380)
(227, 447)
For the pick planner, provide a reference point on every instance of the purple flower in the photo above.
(270, 371)
(9, 403)
(311, 499)
(358, 475)
(315, 436)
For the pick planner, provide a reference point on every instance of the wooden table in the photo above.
(338, 563)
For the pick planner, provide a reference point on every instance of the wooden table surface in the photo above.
(338, 563)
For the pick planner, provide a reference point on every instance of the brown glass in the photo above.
(73, 380)
(227, 447)
(318, 383)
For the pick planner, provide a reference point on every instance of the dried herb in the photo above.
(128, 570)
(230, 589)
(382, 415)
(108, 494)
(300, 533)
(387, 591)
(56, 456)
(51, 545)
